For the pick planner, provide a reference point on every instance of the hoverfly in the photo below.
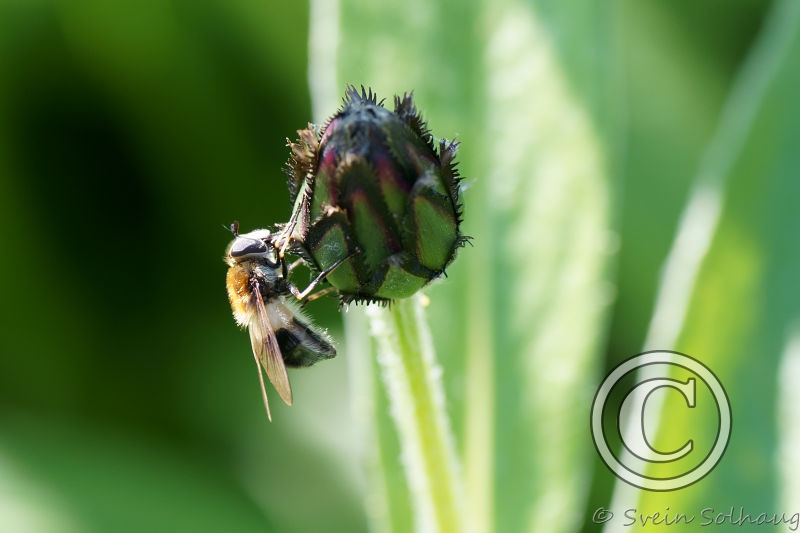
(259, 291)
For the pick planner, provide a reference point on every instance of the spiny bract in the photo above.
(373, 185)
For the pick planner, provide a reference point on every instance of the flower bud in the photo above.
(373, 186)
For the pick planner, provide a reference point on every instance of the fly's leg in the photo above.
(302, 295)
(295, 265)
(319, 294)
(299, 218)
(287, 269)
(284, 239)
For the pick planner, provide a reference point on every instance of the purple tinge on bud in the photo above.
(375, 187)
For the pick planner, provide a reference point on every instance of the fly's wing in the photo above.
(268, 353)
(263, 387)
(301, 344)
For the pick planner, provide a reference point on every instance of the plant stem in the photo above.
(416, 398)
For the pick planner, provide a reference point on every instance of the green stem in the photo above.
(416, 399)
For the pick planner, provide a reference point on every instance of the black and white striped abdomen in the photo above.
(300, 343)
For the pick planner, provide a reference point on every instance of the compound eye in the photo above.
(243, 246)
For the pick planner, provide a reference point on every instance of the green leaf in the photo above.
(730, 296)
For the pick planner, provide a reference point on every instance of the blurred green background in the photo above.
(132, 133)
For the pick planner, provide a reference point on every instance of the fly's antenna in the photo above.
(235, 228)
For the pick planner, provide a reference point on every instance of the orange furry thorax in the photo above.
(238, 284)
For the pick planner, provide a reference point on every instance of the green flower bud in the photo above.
(373, 186)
